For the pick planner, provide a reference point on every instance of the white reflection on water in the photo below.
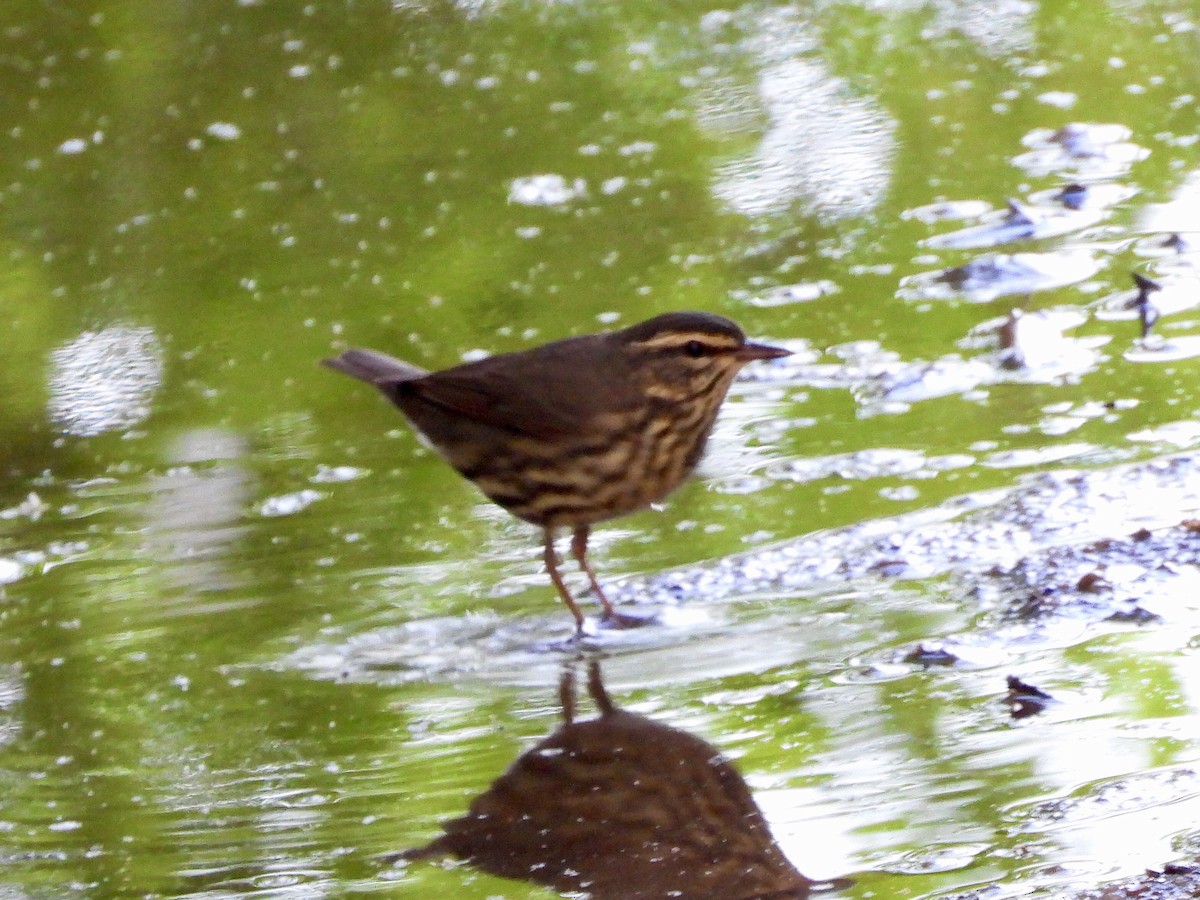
(545, 190)
(999, 27)
(822, 143)
(104, 380)
(194, 512)
(12, 692)
(1180, 213)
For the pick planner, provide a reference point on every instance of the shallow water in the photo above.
(253, 636)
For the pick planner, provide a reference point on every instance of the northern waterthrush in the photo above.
(622, 807)
(578, 430)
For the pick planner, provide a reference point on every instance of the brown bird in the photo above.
(579, 430)
(623, 808)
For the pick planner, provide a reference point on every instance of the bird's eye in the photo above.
(694, 349)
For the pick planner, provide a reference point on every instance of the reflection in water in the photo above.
(1082, 149)
(103, 380)
(1020, 221)
(1180, 214)
(823, 143)
(1024, 699)
(12, 692)
(1037, 342)
(621, 806)
(984, 278)
(1001, 28)
(195, 508)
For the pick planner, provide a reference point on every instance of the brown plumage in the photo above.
(623, 808)
(578, 430)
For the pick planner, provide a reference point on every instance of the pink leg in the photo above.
(552, 567)
(579, 550)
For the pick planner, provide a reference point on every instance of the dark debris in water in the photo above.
(1117, 573)
(1174, 881)
(1024, 699)
(1084, 149)
(1021, 347)
(987, 277)
(1119, 544)
(1148, 313)
(1019, 221)
(929, 655)
(1173, 289)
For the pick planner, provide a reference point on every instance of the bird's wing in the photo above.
(547, 393)
(499, 402)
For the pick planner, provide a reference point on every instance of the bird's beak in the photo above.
(751, 352)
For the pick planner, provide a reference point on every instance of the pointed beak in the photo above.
(751, 352)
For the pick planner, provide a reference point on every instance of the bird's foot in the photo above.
(588, 637)
(621, 621)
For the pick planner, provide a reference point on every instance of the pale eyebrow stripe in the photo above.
(677, 339)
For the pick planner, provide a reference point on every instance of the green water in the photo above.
(253, 635)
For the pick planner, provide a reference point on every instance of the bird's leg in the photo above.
(596, 688)
(552, 567)
(579, 550)
(566, 694)
(611, 617)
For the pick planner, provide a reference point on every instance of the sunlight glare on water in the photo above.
(105, 380)
(929, 607)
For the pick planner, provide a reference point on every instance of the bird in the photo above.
(576, 431)
(622, 807)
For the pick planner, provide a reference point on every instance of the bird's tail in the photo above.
(374, 367)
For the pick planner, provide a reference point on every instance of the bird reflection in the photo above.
(621, 806)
